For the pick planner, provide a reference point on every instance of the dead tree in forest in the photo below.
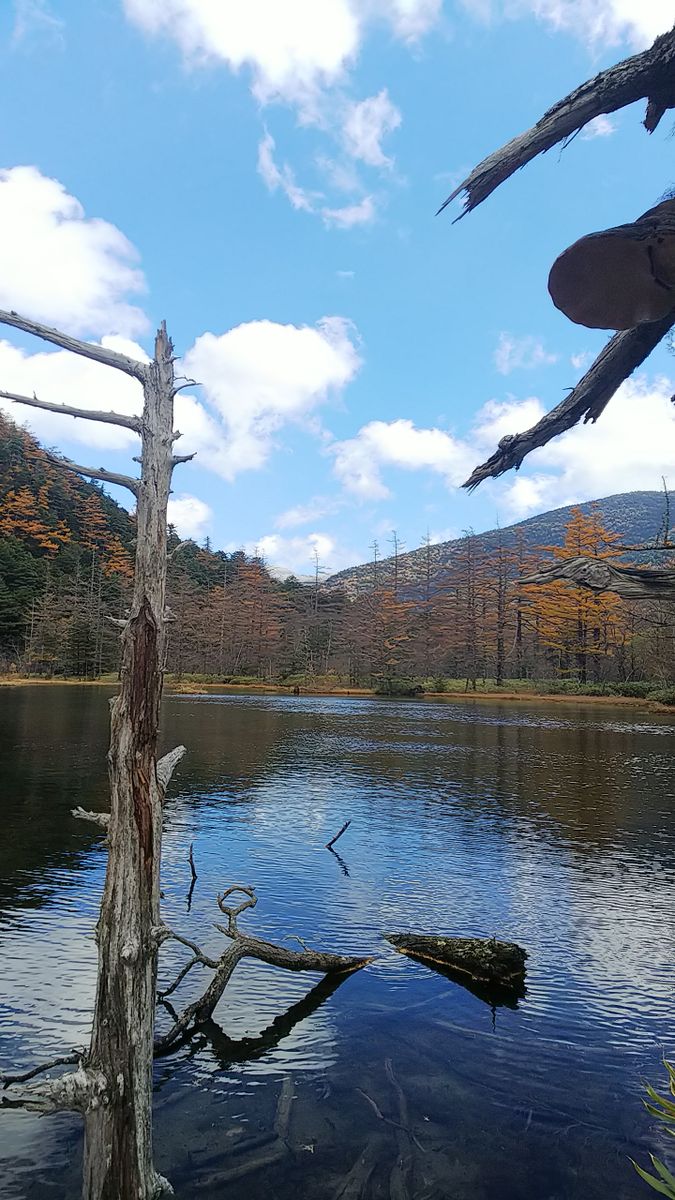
(621, 279)
(112, 1084)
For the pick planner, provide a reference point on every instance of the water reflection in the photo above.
(551, 828)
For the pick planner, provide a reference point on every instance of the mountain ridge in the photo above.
(637, 517)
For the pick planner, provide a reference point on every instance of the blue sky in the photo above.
(265, 177)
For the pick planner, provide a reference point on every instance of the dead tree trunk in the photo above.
(118, 1135)
(113, 1085)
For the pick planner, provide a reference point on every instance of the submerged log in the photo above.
(484, 960)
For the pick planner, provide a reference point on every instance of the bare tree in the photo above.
(112, 1083)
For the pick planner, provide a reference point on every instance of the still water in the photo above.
(550, 826)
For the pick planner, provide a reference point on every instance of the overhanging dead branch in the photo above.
(66, 1060)
(67, 410)
(650, 76)
(73, 1092)
(598, 575)
(65, 464)
(616, 363)
(100, 354)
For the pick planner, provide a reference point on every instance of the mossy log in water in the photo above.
(484, 960)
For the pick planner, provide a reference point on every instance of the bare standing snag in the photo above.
(112, 1085)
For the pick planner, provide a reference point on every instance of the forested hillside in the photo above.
(637, 517)
(454, 610)
(66, 566)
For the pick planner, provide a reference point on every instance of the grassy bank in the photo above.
(641, 693)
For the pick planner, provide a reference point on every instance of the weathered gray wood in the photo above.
(167, 765)
(599, 575)
(67, 410)
(65, 464)
(484, 959)
(650, 75)
(100, 354)
(622, 355)
(118, 1158)
(98, 818)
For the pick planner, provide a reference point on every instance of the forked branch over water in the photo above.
(242, 945)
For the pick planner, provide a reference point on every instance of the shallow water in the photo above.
(551, 826)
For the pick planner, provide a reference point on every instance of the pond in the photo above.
(552, 826)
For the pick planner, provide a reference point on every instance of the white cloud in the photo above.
(522, 353)
(358, 461)
(305, 514)
(300, 53)
(292, 49)
(412, 18)
(498, 418)
(64, 378)
(281, 177)
(599, 127)
(34, 19)
(350, 215)
(45, 240)
(296, 555)
(190, 515)
(631, 447)
(596, 22)
(257, 378)
(366, 123)
(582, 360)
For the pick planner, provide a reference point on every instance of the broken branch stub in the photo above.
(621, 277)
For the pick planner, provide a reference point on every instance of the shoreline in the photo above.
(276, 689)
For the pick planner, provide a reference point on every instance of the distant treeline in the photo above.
(66, 567)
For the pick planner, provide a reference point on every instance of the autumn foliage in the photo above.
(66, 566)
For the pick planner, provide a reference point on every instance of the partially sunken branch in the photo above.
(65, 464)
(616, 363)
(100, 354)
(67, 410)
(650, 76)
(242, 946)
(598, 575)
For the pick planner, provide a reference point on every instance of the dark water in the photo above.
(552, 826)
